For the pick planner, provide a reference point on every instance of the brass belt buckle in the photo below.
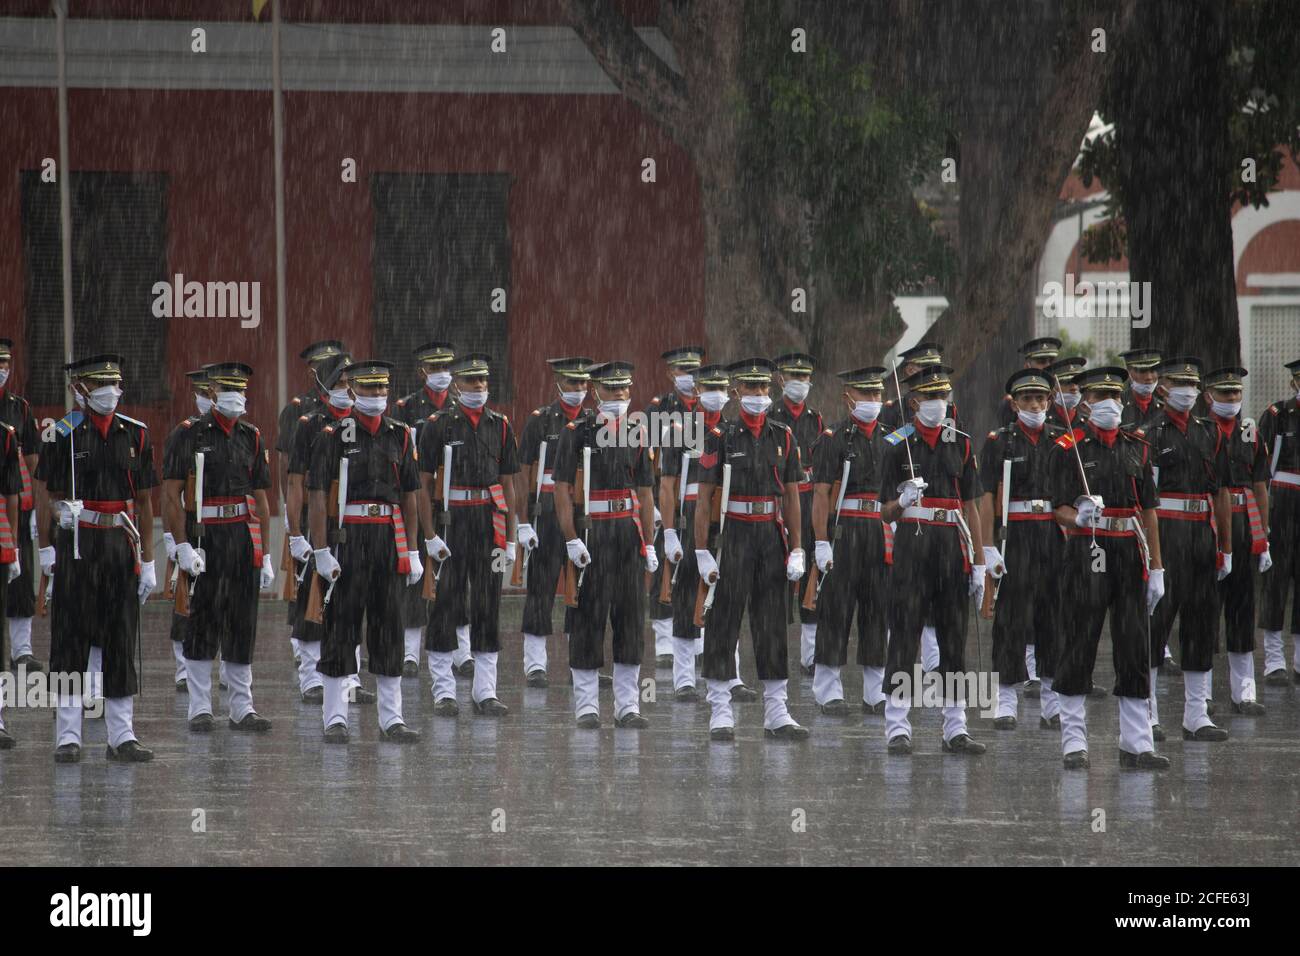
(1037, 506)
(373, 510)
(940, 514)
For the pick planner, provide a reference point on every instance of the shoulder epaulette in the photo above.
(901, 434)
(1137, 434)
(1065, 441)
(133, 421)
(715, 430)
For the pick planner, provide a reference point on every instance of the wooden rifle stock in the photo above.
(666, 580)
(571, 569)
(430, 591)
(810, 592)
(990, 596)
(182, 606)
(42, 607)
(315, 612)
(517, 573)
(168, 591)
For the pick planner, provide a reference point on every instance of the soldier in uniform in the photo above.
(759, 550)
(930, 485)
(540, 534)
(1140, 398)
(1039, 354)
(1111, 564)
(434, 362)
(1025, 615)
(794, 374)
(1244, 465)
(20, 600)
(854, 547)
(893, 416)
(1279, 437)
(373, 560)
(682, 363)
(11, 485)
(229, 564)
(1195, 515)
(479, 516)
(1067, 411)
(617, 515)
(105, 566)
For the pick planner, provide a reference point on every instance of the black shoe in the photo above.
(1098, 691)
(1209, 708)
(1077, 760)
(877, 708)
(663, 660)
(686, 694)
(67, 753)
(182, 686)
(130, 752)
(632, 721)
(1147, 760)
(314, 695)
(464, 670)
(1033, 689)
(202, 724)
(834, 708)
(605, 680)
(1248, 708)
(336, 733)
(740, 694)
(359, 695)
(28, 661)
(252, 723)
(1277, 679)
(447, 707)
(538, 678)
(1157, 733)
(963, 744)
(490, 708)
(787, 732)
(723, 734)
(1209, 734)
(1004, 723)
(900, 744)
(1053, 723)
(399, 733)
(410, 668)
(807, 669)
(1169, 666)
(6, 741)
(589, 722)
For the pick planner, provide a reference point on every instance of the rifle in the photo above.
(182, 586)
(815, 578)
(665, 579)
(681, 512)
(704, 593)
(319, 596)
(290, 590)
(517, 579)
(441, 492)
(43, 594)
(992, 585)
(572, 578)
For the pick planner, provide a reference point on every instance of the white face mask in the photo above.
(572, 399)
(1182, 397)
(103, 400)
(1144, 390)
(797, 391)
(684, 383)
(371, 404)
(1105, 414)
(80, 399)
(4, 376)
(867, 412)
(473, 399)
(340, 398)
(231, 404)
(438, 381)
(614, 409)
(932, 412)
(1068, 400)
(1226, 409)
(756, 404)
(1031, 419)
(713, 401)
(203, 403)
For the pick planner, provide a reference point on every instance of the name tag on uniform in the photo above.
(1089, 464)
(453, 444)
(735, 454)
(353, 450)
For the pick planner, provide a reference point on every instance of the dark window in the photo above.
(119, 250)
(441, 247)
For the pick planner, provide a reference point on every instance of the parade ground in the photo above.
(531, 788)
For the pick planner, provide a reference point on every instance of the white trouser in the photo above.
(485, 677)
(461, 653)
(586, 692)
(1074, 723)
(444, 681)
(67, 721)
(354, 680)
(1050, 702)
(308, 658)
(239, 678)
(1196, 691)
(683, 663)
(1275, 652)
(627, 689)
(198, 674)
(178, 654)
(1008, 700)
(294, 645)
(736, 681)
(663, 629)
(411, 644)
(873, 685)
(896, 720)
(534, 654)
(807, 644)
(1151, 699)
(826, 684)
(95, 674)
(699, 643)
(334, 709)
(1135, 726)
(954, 721)
(1031, 662)
(118, 714)
(389, 696)
(775, 713)
(929, 649)
(1168, 656)
(1241, 676)
(20, 636)
(719, 695)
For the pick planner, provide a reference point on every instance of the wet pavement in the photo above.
(530, 788)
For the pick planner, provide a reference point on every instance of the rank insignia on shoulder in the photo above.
(716, 430)
(68, 422)
(1066, 440)
(897, 436)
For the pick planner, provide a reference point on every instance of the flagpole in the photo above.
(64, 173)
(277, 115)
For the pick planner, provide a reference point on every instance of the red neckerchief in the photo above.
(753, 422)
(711, 419)
(867, 428)
(102, 422)
(226, 424)
(437, 399)
(1032, 435)
(795, 410)
(1142, 403)
(339, 413)
(2, 390)
(571, 411)
(1178, 418)
(1107, 435)
(689, 401)
(473, 414)
(1226, 425)
(931, 435)
(369, 422)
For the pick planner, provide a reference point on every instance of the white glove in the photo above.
(578, 553)
(47, 560)
(993, 561)
(824, 555)
(148, 580)
(672, 546)
(31, 524)
(1155, 588)
(707, 567)
(1224, 571)
(659, 520)
(299, 547)
(417, 567)
(65, 510)
(794, 566)
(15, 569)
(508, 555)
(169, 542)
(1089, 511)
(327, 566)
(651, 560)
(977, 582)
(189, 560)
(909, 492)
(1265, 561)
(526, 536)
(267, 573)
(437, 549)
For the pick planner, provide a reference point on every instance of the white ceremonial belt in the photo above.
(1189, 505)
(1287, 478)
(765, 507)
(372, 510)
(610, 506)
(861, 504)
(224, 511)
(548, 480)
(949, 515)
(1238, 498)
(1029, 506)
(101, 519)
(692, 489)
(471, 494)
